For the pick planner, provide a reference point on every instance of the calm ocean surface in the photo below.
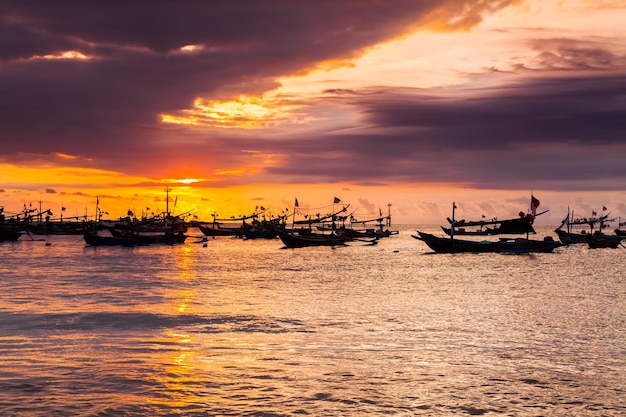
(245, 328)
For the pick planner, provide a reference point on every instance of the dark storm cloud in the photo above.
(568, 110)
(136, 71)
(574, 54)
(560, 132)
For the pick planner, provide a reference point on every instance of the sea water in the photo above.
(247, 328)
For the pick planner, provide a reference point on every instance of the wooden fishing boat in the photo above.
(94, 239)
(568, 236)
(294, 240)
(117, 238)
(257, 225)
(503, 245)
(599, 241)
(214, 229)
(363, 228)
(516, 226)
(8, 234)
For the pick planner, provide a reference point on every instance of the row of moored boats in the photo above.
(337, 228)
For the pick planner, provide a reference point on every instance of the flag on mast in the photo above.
(296, 203)
(336, 201)
(534, 203)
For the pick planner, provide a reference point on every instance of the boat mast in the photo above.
(569, 223)
(167, 201)
(293, 219)
(388, 214)
(452, 224)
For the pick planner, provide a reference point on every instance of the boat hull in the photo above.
(218, 231)
(8, 235)
(519, 245)
(568, 238)
(603, 241)
(93, 239)
(298, 241)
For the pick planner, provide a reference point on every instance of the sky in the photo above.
(237, 104)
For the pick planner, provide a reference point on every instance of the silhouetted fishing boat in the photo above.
(253, 226)
(599, 241)
(516, 226)
(568, 237)
(8, 234)
(296, 240)
(9, 228)
(263, 229)
(363, 228)
(503, 245)
(215, 229)
(92, 238)
(133, 239)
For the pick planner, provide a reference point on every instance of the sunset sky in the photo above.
(234, 104)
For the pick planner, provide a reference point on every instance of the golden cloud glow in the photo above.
(63, 55)
(235, 172)
(65, 156)
(244, 112)
(191, 48)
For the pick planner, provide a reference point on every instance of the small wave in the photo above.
(19, 323)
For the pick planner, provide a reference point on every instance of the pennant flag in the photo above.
(534, 203)
(593, 213)
(296, 203)
(336, 201)
(603, 208)
(62, 208)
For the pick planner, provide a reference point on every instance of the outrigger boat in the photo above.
(258, 227)
(296, 240)
(567, 236)
(599, 241)
(514, 226)
(305, 236)
(364, 231)
(133, 239)
(8, 232)
(130, 231)
(503, 245)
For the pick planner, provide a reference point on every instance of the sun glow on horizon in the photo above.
(186, 180)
